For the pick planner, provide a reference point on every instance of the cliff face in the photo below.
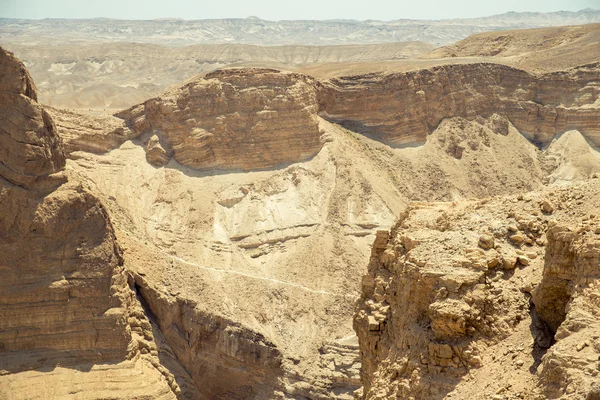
(403, 108)
(65, 301)
(461, 299)
(30, 149)
(60, 256)
(567, 300)
(233, 119)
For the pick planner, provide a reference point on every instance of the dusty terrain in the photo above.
(486, 299)
(119, 75)
(550, 49)
(422, 231)
(111, 64)
(253, 30)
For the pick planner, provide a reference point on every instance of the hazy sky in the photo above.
(280, 9)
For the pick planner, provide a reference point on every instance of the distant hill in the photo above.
(175, 32)
(545, 49)
(117, 75)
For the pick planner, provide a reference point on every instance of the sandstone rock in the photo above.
(444, 312)
(65, 300)
(30, 148)
(155, 152)
(90, 133)
(235, 119)
(547, 207)
(486, 242)
(517, 238)
(564, 303)
(522, 260)
(369, 103)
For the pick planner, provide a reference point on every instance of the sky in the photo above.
(280, 9)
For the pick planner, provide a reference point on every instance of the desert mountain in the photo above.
(176, 32)
(66, 303)
(541, 49)
(119, 75)
(419, 232)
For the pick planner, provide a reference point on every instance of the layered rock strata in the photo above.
(89, 133)
(568, 300)
(403, 108)
(66, 303)
(233, 119)
(30, 149)
(462, 298)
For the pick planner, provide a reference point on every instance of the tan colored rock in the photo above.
(66, 304)
(235, 119)
(155, 152)
(91, 132)
(547, 207)
(456, 331)
(30, 148)
(517, 238)
(486, 242)
(369, 103)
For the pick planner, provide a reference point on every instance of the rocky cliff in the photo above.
(30, 149)
(485, 299)
(66, 304)
(403, 108)
(232, 119)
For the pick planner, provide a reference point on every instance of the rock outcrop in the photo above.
(461, 298)
(567, 300)
(30, 149)
(66, 302)
(545, 49)
(89, 133)
(234, 119)
(403, 108)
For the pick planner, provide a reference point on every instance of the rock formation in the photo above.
(89, 133)
(30, 149)
(548, 49)
(234, 119)
(403, 108)
(143, 270)
(453, 305)
(65, 300)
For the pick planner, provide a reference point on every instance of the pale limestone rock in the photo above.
(30, 149)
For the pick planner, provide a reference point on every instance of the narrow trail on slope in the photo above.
(228, 271)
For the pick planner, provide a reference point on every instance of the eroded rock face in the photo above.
(403, 108)
(59, 258)
(225, 359)
(234, 119)
(30, 149)
(567, 299)
(89, 133)
(62, 278)
(462, 298)
(66, 302)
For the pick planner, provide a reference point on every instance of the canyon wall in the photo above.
(30, 149)
(485, 298)
(403, 108)
(66, 304)
(232, 119)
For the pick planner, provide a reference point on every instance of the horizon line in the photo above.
(252, 17)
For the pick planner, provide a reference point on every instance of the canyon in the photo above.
(416, 228)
